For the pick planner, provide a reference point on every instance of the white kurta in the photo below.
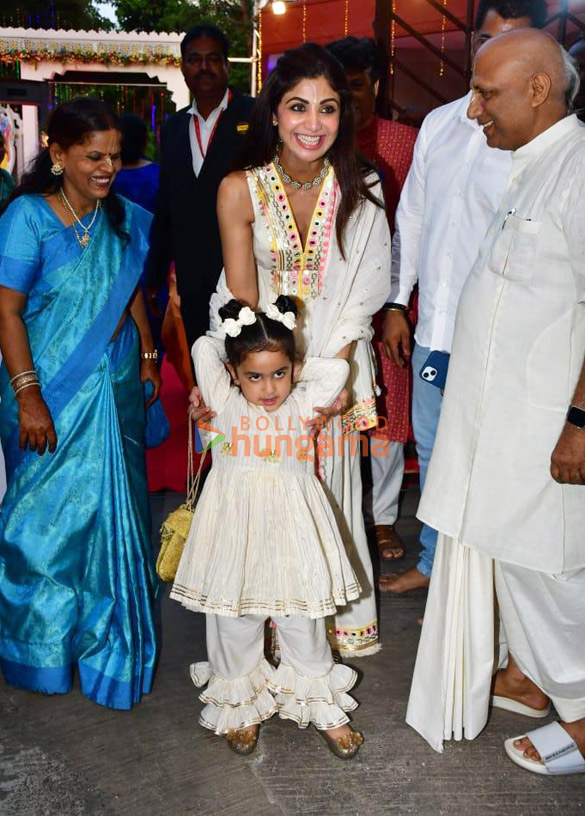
(517, 353)
(518, 350)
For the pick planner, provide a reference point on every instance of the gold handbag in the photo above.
(174, 531)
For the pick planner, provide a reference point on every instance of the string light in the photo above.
(392, 38)
(346, 19)
(259, 54)
(305, 21)
(443, 24)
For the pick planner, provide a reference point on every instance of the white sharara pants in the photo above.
(244, 689)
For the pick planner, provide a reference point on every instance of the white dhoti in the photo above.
(542, 618)
(244, 689)
(449, 696)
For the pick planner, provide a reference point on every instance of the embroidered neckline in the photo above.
(297, 269)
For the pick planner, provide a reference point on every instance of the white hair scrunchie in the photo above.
(287, 318)
(233, 326)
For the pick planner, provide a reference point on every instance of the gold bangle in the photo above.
(26, 385)
(24, 379)
(21, 374)
(150, 355)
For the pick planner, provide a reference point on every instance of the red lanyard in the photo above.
(212, 134)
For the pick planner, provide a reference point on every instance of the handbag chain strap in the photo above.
(193, 479)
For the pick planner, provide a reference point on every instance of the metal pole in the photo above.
(254, 61)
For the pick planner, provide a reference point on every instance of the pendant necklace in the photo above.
(299, 185)
(84, 239)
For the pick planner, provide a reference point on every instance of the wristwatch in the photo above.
(576, 416)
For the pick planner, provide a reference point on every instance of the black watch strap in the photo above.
(576, 416)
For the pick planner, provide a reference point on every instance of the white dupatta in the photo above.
(354, 289)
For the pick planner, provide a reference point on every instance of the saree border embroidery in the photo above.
(297, 271)
(353, 640)
(362, 416)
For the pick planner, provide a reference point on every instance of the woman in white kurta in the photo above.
(264, 541)
(323, 239)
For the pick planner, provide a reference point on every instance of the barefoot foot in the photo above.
(411, 579)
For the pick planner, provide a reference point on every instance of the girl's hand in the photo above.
(149, 373)
(35, 422)
(197, 408)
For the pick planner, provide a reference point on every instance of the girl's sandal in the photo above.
(346, 746)
(243, 741)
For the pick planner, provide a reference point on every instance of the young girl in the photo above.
(264, 541)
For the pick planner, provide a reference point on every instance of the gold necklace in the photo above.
(82, 240)
(299, 185)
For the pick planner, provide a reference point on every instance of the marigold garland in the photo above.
(10, 55)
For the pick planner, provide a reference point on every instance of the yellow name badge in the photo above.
(242, 127)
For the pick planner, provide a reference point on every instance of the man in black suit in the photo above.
(198, 147)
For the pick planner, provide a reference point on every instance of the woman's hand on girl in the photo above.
(149, 373)
(337, 407)
(35, 422)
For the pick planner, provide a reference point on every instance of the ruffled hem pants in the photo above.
(244, 689)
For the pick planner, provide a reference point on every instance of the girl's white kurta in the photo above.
(264, 539)
(339, 296)
(518, 350)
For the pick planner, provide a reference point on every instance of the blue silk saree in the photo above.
(77, 583)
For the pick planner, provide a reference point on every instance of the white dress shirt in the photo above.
(451, 194)
(206, 127)
(518, 350)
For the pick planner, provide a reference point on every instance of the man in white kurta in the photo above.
(454, 187)
(516, 369)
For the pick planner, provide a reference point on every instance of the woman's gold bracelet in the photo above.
(23, 380)
(22, 374)
(150, 355)
(26, 385)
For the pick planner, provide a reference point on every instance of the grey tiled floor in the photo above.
(65, 756)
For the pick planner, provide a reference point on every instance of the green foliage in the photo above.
(234, 17)
(75, 14)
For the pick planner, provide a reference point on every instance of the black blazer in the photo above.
(185, 228)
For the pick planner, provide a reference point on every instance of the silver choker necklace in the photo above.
(299, 185)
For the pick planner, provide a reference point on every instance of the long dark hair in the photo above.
(70, 124)
(263, 335)
(310, 61)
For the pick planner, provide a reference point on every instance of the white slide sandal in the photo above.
(507, 704)
(559, 753)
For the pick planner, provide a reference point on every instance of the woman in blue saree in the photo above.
(77, 584)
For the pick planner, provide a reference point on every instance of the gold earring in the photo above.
(57, 169)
